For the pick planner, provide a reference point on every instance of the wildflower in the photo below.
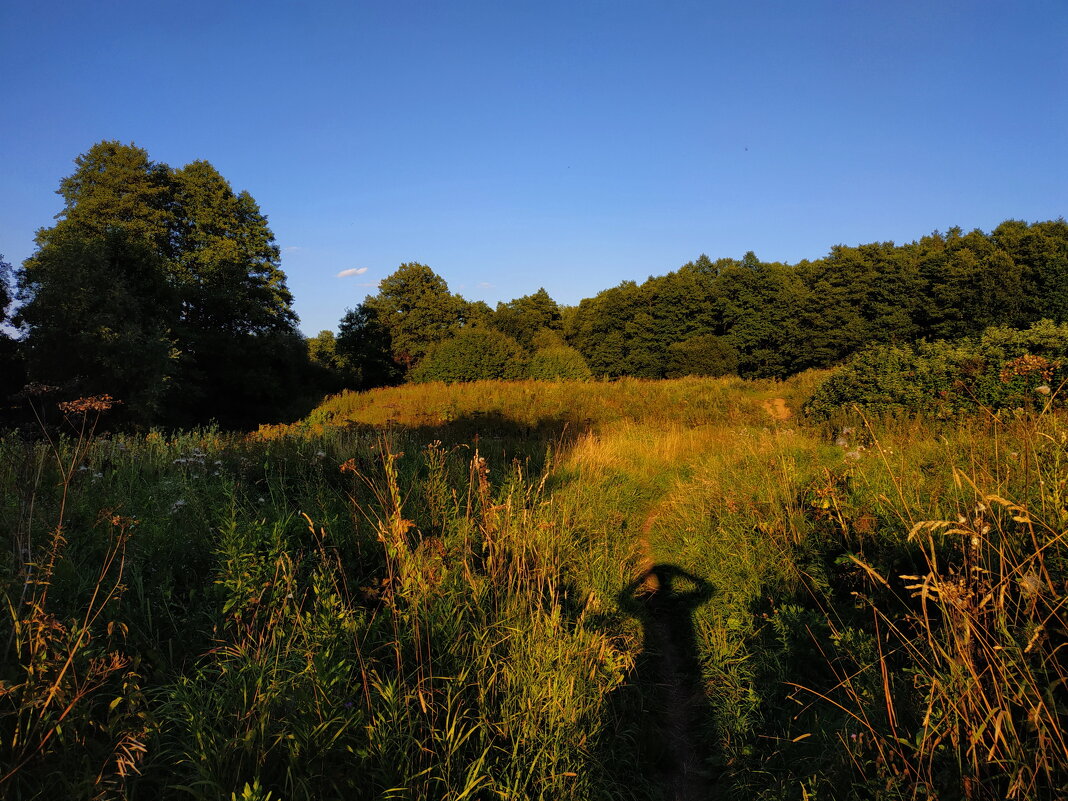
(97, 475)
(1042, 389)
(94, 403)
(320, 454)
(178, 504)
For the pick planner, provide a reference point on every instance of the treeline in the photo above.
(757, 319)
(163, 287)
(415, 329)
(763, 319)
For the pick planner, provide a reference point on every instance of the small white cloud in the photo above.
(485, 285)
(290, 249)
(353, 271)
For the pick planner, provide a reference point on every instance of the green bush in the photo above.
(704, 354)
(472, 354)
(558, 362)
(1005, 368)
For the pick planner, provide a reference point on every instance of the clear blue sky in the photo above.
(565, 144)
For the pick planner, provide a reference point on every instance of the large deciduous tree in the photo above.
(99, 309)
(237, 326)
(227, 313)
(364, 345)
(417, 310)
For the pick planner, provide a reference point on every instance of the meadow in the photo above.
(674, 589)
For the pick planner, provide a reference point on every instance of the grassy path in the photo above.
(659, 483)
(670, 642)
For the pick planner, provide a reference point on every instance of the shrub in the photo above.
(472, 354)
(558, 362)
(1004, 368)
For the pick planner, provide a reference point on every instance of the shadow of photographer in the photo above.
(672, 708)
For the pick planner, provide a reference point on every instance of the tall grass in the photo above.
(422, 592)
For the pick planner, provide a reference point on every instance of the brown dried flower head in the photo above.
(93, 403)
(1028, 365)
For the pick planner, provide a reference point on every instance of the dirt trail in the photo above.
(683, 692)
(777, 408)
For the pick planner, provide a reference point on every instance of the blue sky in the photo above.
(565, 145)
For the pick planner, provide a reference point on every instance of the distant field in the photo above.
(536, 590)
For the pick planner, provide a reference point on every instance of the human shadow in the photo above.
(663, 704)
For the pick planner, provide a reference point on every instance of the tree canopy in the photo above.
(163, 288)
(416, 309)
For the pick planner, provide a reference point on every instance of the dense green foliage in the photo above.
(524, 318)
(416, 309)
(748, 317)
(1005, 368)
(363, 343)
(558, 362)
(473, 353)
(780, 319)
(5, 289)
(163, 288)
(100, 318)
